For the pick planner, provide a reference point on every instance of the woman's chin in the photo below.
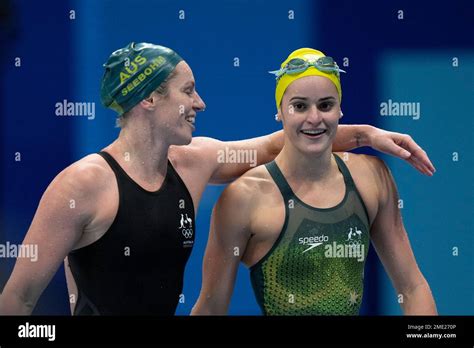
(315, 150)
(182, 138)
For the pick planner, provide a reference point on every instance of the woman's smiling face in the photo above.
(310, 112)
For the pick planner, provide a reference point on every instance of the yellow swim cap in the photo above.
(317, 67)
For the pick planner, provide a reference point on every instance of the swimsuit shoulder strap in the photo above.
(280, 180)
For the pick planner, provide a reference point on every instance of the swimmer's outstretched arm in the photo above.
(228, 237)
(391, 242)
(398, 145)
(67, 206)
(256, 151)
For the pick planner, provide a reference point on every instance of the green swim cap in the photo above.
(132, 73)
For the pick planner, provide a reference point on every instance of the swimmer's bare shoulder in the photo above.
(78, 187)
(90, 181)
(245, 197)
(69, 204)
(94, 181)
(253, 185)
(371, 177)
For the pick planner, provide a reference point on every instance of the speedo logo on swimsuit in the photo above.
(313, 241)
(133, 67)
(352, 248)
(186, 228)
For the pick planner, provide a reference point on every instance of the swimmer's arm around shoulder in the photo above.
(229, 160)
(66, 207)
(228, 238)
(393, 247)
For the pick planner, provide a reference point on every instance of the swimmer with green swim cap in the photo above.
(127, 240)
(134, 72)
(304, 221)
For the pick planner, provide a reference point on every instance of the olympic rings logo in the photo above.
(187, 232)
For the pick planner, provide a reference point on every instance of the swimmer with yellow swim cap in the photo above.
(306, 62)
(132, 229)
(304, 221)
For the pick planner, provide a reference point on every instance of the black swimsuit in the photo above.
(137, 267)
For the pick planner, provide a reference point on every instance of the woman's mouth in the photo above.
(190, 119)
(313, 133)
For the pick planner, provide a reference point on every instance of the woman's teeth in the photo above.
(313, 131)
(191, 119)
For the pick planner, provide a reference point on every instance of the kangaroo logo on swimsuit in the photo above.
(354, 237)
(186, 226)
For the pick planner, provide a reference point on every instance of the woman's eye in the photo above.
(299, 106)
(326, 106)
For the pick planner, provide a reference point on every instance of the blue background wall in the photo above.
(407, 60)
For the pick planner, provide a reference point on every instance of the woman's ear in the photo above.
(150, 102)
(278, 116)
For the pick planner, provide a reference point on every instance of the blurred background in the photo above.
(402, 51)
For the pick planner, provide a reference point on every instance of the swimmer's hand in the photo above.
(403, 146)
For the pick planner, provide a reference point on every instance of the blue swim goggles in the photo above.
(298, 65)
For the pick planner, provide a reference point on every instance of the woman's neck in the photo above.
(306, 167)
(143, 152)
